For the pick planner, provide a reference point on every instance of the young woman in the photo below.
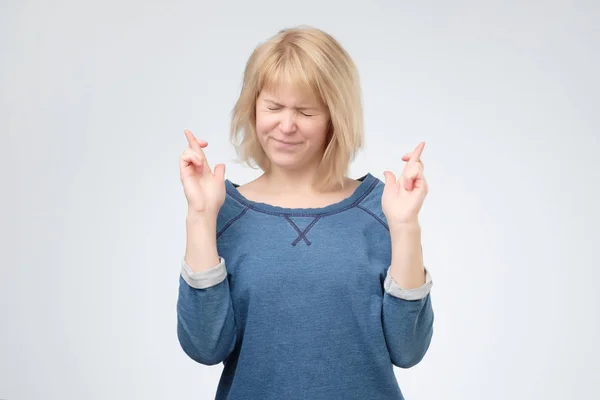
(305, 283)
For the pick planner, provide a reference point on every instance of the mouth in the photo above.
(286, 142)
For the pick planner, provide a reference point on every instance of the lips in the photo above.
(285, 142)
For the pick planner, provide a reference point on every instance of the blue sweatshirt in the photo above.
(302, 305)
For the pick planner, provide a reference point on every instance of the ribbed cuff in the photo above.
(392, 288)
(204, 279)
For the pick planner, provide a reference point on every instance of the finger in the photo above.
(190, 138)
(411, 174)
(416, 155)
(220, 172)
(408, 182)
(406, 158)
(189, 166)
(193, 142)
(191, 157)
(198, 158)
(390, 179)
(197, 147)
(203, 145)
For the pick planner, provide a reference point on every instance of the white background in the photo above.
(94, 100)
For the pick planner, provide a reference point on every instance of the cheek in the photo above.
(265, 123)
(316, 130)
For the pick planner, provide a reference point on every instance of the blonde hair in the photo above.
(315, 61)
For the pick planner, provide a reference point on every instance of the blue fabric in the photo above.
(303, 313)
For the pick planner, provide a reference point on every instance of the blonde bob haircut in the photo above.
(314, 61)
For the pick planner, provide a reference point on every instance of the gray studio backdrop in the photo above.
(94, 99)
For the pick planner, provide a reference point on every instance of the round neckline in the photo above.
(367, 183)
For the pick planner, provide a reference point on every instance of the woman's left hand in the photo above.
(402, 199)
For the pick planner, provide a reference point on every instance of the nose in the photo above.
(287, 123)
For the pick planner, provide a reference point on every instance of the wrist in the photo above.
(197, 216)
(404, 226)
(201, 221)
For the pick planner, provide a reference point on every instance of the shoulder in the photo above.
(249, 189)
(371, 201)
(231, 210)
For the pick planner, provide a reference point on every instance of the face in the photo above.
(291, 127)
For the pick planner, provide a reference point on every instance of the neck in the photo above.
(294, 181)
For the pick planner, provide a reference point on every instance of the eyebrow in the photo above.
(301, 107)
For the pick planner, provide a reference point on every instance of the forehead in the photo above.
(289, 94)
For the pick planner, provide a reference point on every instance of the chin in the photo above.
(286, 160)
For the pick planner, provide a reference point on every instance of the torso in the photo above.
(258, 192)
(306, 287)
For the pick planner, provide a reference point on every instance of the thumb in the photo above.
(220, 172)
(390, 179)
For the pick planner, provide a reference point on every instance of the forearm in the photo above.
(408, 328)
(201, 242)
(407, 268)
(407, 311)
(206, 322)
(205, 319)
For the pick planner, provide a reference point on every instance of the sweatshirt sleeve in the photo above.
(205, 320)
(407, 321)
(407, 314)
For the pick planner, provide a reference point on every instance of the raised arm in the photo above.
(205, 320)
(407, 311)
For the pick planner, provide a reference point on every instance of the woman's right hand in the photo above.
(204, 190)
